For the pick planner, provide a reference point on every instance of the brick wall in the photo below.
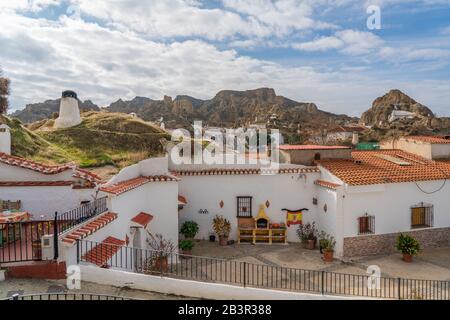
(385, 243)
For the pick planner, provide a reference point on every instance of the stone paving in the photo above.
(431, 264)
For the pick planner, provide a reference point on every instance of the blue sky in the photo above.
(317, 51)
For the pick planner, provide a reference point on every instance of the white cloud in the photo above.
(320, 44)
(26, 5)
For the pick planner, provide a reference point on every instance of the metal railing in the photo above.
(244, 274)
(70, 219)
(66, 296)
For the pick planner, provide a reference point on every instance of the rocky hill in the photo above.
(420, 120)
(44, 110)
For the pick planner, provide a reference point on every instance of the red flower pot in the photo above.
(407, 257)
(328, 256)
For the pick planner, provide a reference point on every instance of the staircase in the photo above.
(89, 228)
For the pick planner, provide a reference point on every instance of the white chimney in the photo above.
(355, 138)
(69, 113)
(5, 139)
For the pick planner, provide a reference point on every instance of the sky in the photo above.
(320, 51)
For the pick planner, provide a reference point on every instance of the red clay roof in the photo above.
(104, 251)
(327, 184)
(182, 200)
(367, 167)
(134, 183)
(310, 147)
(429, 139)
(223, 171)
(143, 219)
(89, 228)
(35, 166)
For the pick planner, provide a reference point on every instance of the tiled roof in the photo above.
(35, 166)
(127, 185)
(104, 251)
(429, 139)
(182, 200)
(89, 228)
(287, 147)
(327, 184)
(35, 183)
(217, 171)
(373, 167)
(87, 175)
(143, 219)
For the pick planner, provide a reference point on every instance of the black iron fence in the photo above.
(70, 219)
(66, 296)
(244, 274)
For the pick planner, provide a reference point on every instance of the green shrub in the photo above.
(189, 229)
(186, 244)
(407, 244)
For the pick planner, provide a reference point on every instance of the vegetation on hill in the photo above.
(101, 139)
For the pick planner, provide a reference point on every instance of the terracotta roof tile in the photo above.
(143, 219)
(134, 183)
(310, 147)
(89, 228)
(35, 166)
(367, 167)
(429, 139)
(104, 251)
(220, 171)
(327, 184)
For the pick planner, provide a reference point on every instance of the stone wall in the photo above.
(385, 243)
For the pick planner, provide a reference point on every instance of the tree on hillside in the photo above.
(4, 92)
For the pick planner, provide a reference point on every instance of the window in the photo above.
(422, 216)
(317, 156)
(366, 224)
(244, 207)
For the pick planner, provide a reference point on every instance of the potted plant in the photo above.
(307, 233)
(408, 246)
(163, 248)
(189, 229)
(222, 227)
(327, 243)
(186, 247)
(212, 237)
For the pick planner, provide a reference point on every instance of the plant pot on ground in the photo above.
(189, 229)
(327, 244)
(408, 246)
(212, 238)
(222, 227)
(186, 247)
(162, 249)
(307, 233)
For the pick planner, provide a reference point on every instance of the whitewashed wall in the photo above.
(291, 191)
(159, 199)
(390, 204)
(12, 173)
(46, 201)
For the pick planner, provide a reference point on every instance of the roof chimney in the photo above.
(5, 139)
(69, 113)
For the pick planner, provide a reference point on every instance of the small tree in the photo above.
(407, 245)
(4, 92)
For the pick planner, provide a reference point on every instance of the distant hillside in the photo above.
(44, 110)
(101, 139)
(424, 121)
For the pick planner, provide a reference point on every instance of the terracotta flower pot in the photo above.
(310, 244)
(328, 255)
(162, 264)
(407, 257)
(186, 253)
(223, 241)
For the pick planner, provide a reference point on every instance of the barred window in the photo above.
(244, 207)
(422, 216)
(366, 224)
